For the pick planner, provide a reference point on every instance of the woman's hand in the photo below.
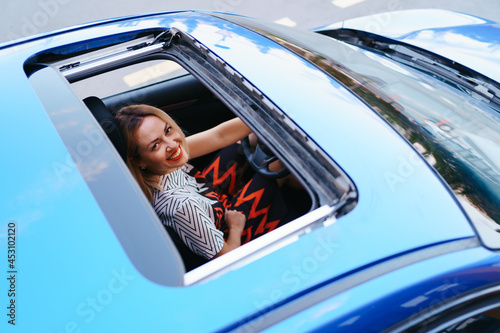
(236, 222)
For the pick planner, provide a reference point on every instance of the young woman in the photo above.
(208, 209)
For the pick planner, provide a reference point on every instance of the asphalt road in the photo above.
(22, 18)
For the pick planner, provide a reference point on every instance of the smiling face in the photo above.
(160, 146)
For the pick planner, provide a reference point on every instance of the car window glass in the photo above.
(128, 78)
(457, 134)
(486, 322)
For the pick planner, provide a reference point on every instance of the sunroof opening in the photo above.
(198, 93)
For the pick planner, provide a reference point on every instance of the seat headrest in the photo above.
(108, 123)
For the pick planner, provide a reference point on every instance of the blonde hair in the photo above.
(130, 119)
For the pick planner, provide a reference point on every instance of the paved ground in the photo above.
(22, 18)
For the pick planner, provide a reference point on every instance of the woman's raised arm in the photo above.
(217, 137)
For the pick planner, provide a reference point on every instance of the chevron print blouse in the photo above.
(182, 207)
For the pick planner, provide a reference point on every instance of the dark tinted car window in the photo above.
(485, 322)
(457, 134)
(480, 323)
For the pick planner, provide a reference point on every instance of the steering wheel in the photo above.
(260, 157)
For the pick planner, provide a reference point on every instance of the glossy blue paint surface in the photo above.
(405, 292)
(456, 36)
(65, 250)
(78, 277)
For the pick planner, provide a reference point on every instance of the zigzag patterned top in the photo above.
(181, 207)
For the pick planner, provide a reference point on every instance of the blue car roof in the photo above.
(75, 270)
